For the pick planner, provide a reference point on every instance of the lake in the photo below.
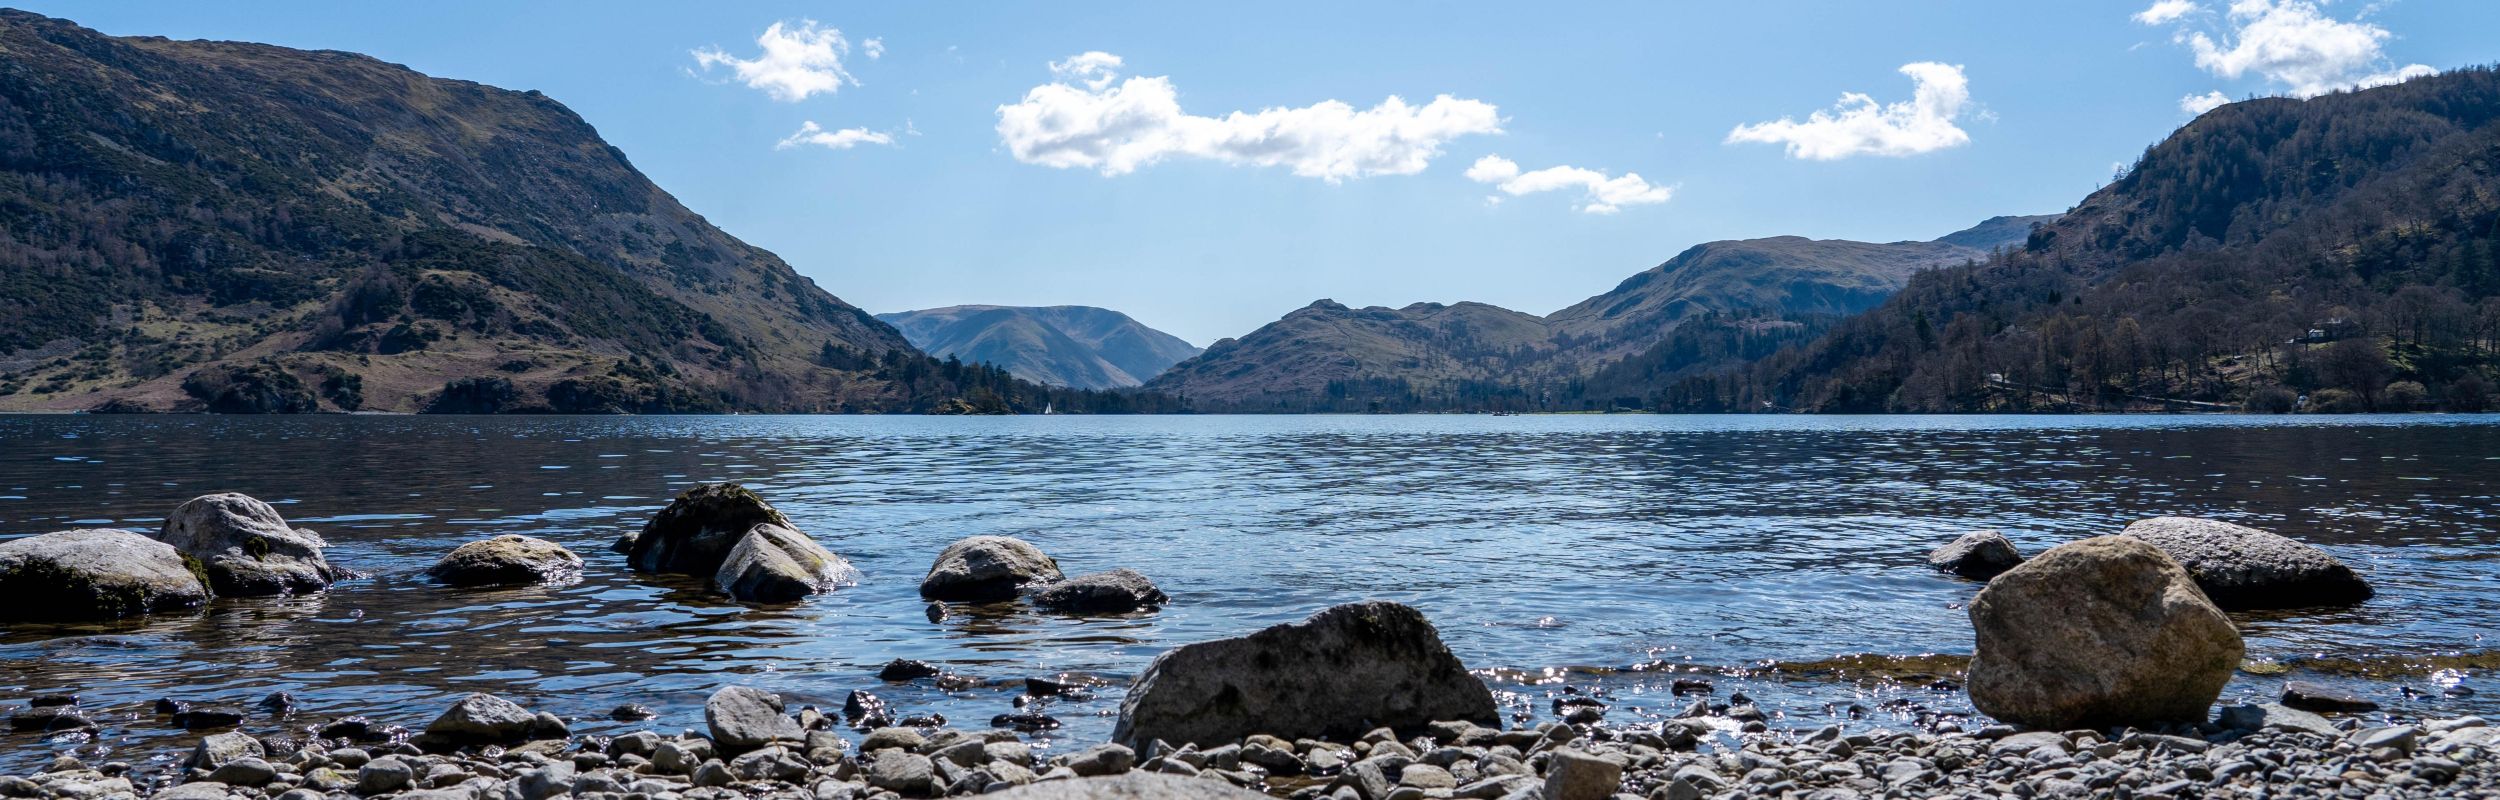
(1550, 550)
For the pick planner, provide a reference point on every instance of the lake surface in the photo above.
(1549, 549)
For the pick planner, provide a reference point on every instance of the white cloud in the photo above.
(1087, 117)
(1859, 126)
(843, 139)
(2163, 12)
(1601, 194)
(2197, 104)
(795, 63)
(2293, 43)
(874, 48)
(1094, 68)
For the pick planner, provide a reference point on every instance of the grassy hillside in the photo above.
(240, 227)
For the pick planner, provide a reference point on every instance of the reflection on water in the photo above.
(1549, 549)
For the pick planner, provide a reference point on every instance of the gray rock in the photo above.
(987, 568)
(2274, 717)
(245, 772)
(695, 533)
(553, 780)
(1977, 555)
(2401, 737)
(96, 573)
(776, 564)
(225, 748)
(769, 764)
(247, 549)
(482, 718)
(1102, 759)
(744, 718)
(1131, 786)
(2309, 696)
(2098, 633)
(507, 559)
(195, 790)
(384, 775)
(2244, 568)
(1577, 775)
(1339, 674)
(1116, 592)
(905, 773)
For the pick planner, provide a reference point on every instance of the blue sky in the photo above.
(1002, 180)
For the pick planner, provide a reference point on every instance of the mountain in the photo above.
(2338, 249)
(1792, 276)
(1075, 346)
(1746, 297)
(1328, 357)
(194, 225)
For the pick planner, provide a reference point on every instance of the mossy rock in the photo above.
(94, 574)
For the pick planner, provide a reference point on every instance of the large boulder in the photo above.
(695, 533)
(248, 550)
(2098, 633)
(2243, 568)
(743, 718)
(507, 559)
(774, 564)
(1343, 672)
(1977, 555)
(1131, 786)
(95, 573)
(1116, 592)
(986, 568)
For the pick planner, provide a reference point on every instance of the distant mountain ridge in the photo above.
(1431, 356)
(1081, 347)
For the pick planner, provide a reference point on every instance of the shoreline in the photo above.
(1727, 751)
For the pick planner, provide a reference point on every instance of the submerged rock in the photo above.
(2309, 696)
(1977, 555)
(986, 568)
(248, 550)
(507, 559)
(904, 669)
(95, 573)
(2243, 568)
(50, 718)
(2101, 632)
(201, 717)
(1115, 592)
(743, 718)
(1343, 672)
(774, 564)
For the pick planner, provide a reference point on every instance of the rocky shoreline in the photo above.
(2108, 652)
(752, 748)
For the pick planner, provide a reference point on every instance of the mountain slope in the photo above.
(1075, 346)
(1754, 294)
(2339, 248)
(242, 227)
